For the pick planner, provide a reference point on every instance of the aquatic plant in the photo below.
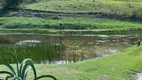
(22, 69)
(47, 52)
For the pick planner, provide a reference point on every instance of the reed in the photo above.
(38, 53)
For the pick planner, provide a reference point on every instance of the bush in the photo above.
(12, 4)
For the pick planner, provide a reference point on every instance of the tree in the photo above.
(12, 4)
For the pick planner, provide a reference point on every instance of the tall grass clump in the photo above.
(39, 53)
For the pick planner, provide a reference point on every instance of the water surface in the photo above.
(81, 47)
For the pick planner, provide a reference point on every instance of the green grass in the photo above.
(123, 7)
(81, 5)
(120, 66)
(36, 52)
(68, 22)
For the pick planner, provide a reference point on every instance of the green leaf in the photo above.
(16, 59)
(28, 62)
(9, 66)
(6, 72)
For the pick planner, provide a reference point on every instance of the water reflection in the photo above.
(80, 47)
(26, 42)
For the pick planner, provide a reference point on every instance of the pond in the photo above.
(62, 49)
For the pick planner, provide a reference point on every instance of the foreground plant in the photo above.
(22, 69)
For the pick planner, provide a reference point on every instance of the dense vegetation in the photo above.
(120, 66)
(125, 8)
(11, 4)
(42, 15)
(74, 14)
(68, 23)
(39, 53)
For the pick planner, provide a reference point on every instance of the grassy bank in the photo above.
(126, 8)
(68, 23)
(50, 25)
(114, 67)
(120, 66)
(111, 14)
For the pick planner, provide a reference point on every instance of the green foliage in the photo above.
(38, 53)
(22, 69)
(30, 1)
(124, 8)
(56, 17)
(12, 4)
(119, 66)
(68, 23)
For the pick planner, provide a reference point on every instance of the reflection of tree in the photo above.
(91, 44)
(61, 34)
(73, 51)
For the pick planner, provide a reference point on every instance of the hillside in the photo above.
(74, 14)
(126, 8)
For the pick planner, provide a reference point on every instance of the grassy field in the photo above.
(130, 13)
(68, 23)
(85, 5)
(125, 8)
(51, 25)
(120, 66)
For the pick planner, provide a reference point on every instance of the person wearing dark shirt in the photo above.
(139, 43)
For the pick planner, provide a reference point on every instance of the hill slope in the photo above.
(75, 14)
(126, 8)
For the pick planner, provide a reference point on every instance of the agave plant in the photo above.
(22, 70)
